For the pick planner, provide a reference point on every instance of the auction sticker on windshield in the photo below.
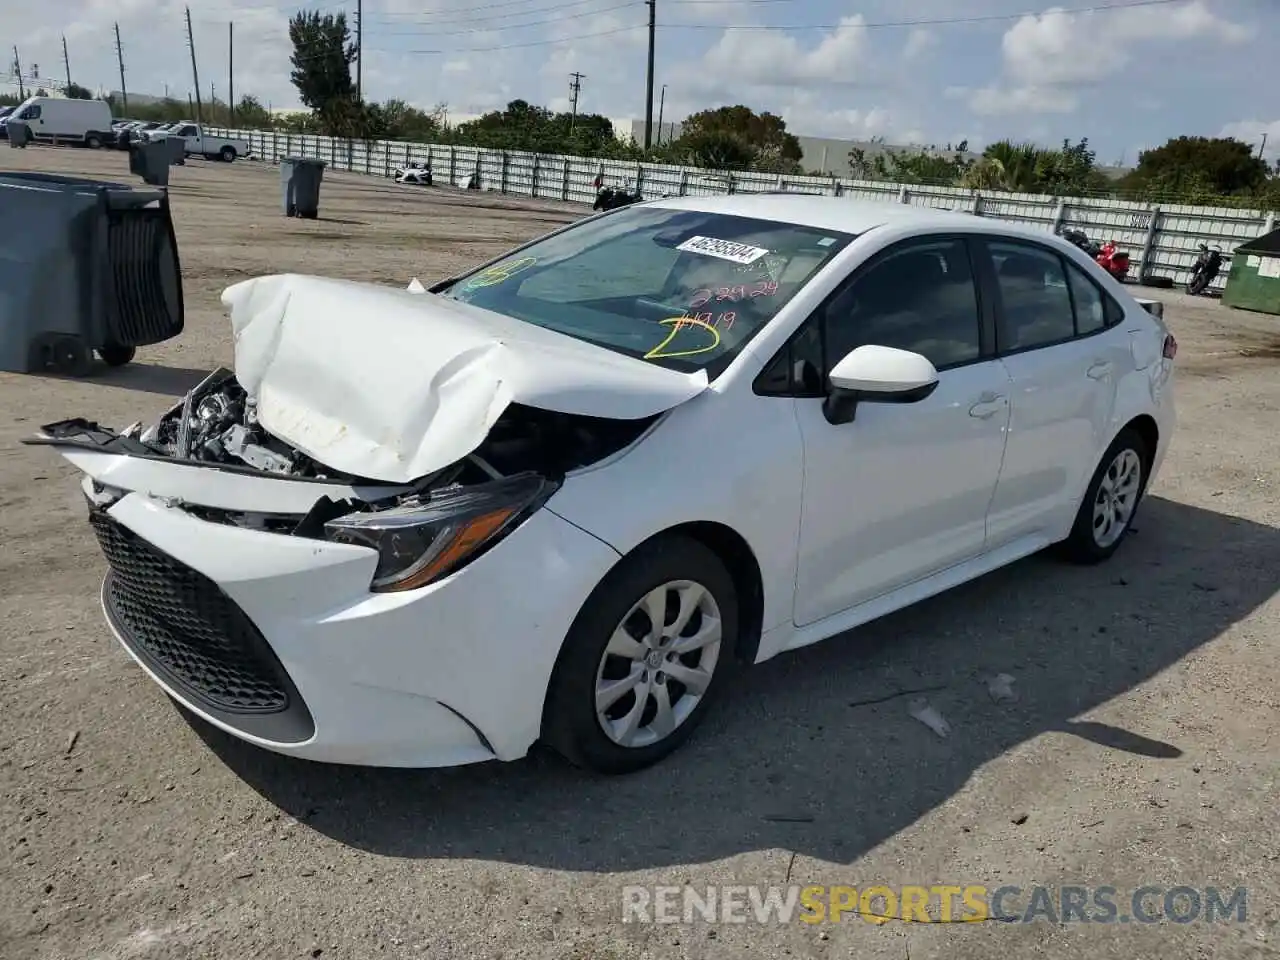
(723, 249)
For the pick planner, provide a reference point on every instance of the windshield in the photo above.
(682, 288)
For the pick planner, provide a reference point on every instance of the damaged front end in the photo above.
(211, 457)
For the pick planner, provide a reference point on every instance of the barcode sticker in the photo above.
(723, 249)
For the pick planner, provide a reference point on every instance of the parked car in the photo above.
(414, 173)
(553, 499)
(85, 122)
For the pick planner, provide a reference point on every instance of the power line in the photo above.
(514, 26)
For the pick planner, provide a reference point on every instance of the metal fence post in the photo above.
(1149, 245)
(1059, 215)
(1270, 224)
(639, 178)
(904, 195)
(684, 183)
(976, 209)
(502, 182)
(564, 187)
(453, 166)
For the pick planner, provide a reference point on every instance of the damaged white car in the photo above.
(553, 498)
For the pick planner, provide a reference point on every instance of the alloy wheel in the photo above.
(1117, 497)
(658, 664)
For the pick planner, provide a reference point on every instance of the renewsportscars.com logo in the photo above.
(942, 903)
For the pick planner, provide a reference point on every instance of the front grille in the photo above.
(186, 628)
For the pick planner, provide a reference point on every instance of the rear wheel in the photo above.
(93, 141)
(1111, 500)
(71, 357)
(1197, 284)
(643, 658)
(227, 153)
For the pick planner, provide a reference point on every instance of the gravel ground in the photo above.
(1140, 749)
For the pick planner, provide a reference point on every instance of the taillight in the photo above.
(1170, 346)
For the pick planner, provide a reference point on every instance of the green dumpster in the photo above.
(1254, 280)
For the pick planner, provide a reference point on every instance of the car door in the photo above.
(902, 491)
(1056, 334)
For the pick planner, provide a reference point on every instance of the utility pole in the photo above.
(1263, 147)
(17, 71)
(359, 51)
(66, 60)
(124, 91)
(231, 74)
(662, 102)
(575, 88)
(648, 77)
(195, 76)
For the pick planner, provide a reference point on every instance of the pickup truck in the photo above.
(201, 144)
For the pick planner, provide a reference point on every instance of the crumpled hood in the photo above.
(392, 385)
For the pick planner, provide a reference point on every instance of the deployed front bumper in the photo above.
(277, 639)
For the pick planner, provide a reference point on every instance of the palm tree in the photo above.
(1007, 166)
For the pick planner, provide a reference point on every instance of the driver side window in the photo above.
(920, 297)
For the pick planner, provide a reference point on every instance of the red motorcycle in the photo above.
(1110, 259)
(1115, 262)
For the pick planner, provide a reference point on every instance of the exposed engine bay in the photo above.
(216, 425)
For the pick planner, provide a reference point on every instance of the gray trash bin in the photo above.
(149, 159)
(177, 147)
(19, 133)
(300, 181)
(85, 265)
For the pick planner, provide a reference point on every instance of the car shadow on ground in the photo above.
(149, 378)
(815, 751)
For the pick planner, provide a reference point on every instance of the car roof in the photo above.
(842, 214)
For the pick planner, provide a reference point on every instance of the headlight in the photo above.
(423, 542)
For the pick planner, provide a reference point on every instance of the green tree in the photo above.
(944, 166)
(322, 58)
(757, 141)
(74, 91)
(252, 114)
(1187, 166)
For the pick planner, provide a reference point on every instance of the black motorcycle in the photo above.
(608, 198)
(1081, 239)
(1207, 266)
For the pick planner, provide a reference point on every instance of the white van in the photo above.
(74, 121)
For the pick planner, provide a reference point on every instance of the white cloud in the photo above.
(1252, 131)
(1045, 55)
(919, 41)
(774, 58)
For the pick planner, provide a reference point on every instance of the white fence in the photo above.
(1163, 239)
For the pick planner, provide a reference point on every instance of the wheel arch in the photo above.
(740, 560)
(1145, 426)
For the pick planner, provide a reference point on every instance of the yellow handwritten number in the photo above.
(500, 272)
(657, 353)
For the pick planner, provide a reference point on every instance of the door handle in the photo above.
(988, 406)
(1100, 370)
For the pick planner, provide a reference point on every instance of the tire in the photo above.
(1197, 285)
(71, 357)
(93, 142)
(114, 355)
(683, 569)
(227, 154)
(1087, 543)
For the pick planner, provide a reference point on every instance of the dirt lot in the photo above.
(1141, 750)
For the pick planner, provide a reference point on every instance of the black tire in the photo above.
(1083, 545)
(93, 142)
(570, 725)
(227, 154)
(71, 357)
(1197, 285)
(114, 355)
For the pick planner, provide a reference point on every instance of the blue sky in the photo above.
(1126, 78)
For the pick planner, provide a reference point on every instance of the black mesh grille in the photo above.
(183, 625)
(145, 273)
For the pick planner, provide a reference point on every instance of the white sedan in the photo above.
(552, 499)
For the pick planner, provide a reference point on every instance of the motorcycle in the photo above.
(1106, 255)
(1207, 266)
(609, 198)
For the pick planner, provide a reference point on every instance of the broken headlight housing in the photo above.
(421, 542)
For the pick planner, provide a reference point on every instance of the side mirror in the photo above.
(874, 374)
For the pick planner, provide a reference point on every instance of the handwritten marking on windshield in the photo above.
(763, 288)
(678, 324)
(499, 273)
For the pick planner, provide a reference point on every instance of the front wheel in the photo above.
(228, 154)
(643, 658)
(93, 142)
(1111, 500)
(1198, 284)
